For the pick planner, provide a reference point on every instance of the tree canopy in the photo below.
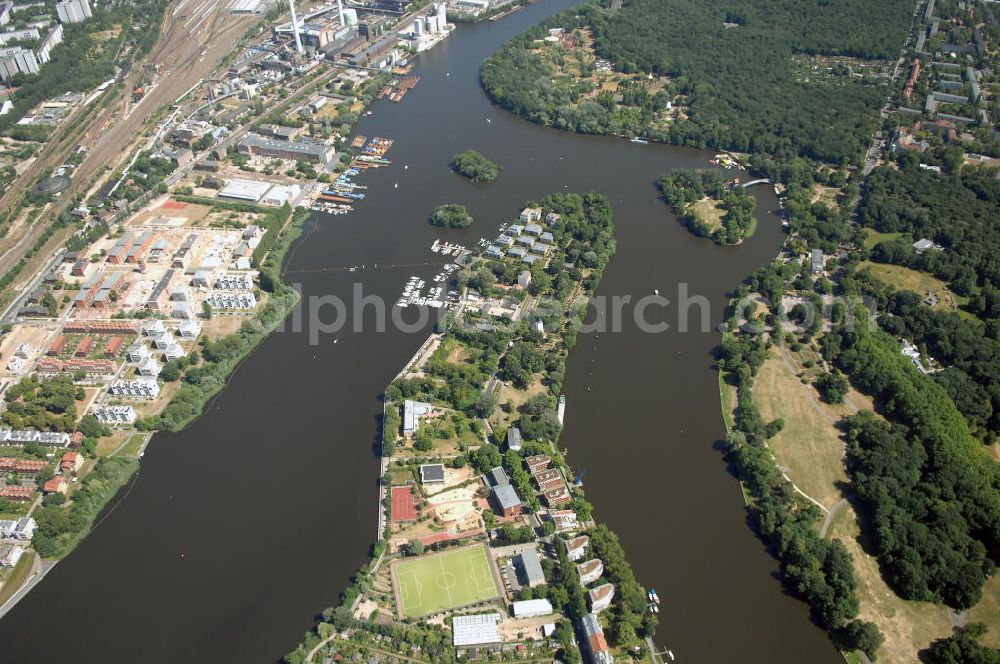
(739, 83)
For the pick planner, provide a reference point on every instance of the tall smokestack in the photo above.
(295, 27)
(340, 8)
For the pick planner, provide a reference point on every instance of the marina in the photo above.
(341, 196)
(441, 295)
(397, 89)
(447, 248)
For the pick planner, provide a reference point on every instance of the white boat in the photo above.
(653, 596)
(670, 654)
(639, 141)
(656, 291)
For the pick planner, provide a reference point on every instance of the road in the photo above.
(38, 571)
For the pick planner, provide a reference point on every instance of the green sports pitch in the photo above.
(444, 581)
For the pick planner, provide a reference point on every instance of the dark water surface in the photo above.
(242, 527)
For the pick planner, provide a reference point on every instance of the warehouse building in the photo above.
(476, 632)
(309, 151)
(245, 190)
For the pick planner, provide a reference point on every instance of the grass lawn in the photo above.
(810, 450)
(727, 395)
(987, 611)
(516, 398)
(443, 581)
(873, 237)
(708, 210)
(401, 475)
(109, 444)
(921, 283)
(16, 577)
(826, 195)
(809, 447)
(132, 446)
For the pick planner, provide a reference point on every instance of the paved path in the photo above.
(38, 571)
(829, 516)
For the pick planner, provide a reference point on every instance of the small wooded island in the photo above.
(475, 166)
(709, 205)
(451, 215)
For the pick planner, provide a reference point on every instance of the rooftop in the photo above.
(476, 630)
(532, 565)
(498, 476)
(506, 496)
(432, 472)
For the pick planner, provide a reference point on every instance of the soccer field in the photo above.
(444, 581)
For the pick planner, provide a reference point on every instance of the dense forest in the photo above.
(962, 648)
(475, 166)
(930, 495)
(957, 210)
(731, 61)
(450, 215)
(968, 348)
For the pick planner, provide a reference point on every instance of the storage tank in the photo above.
(350, 16)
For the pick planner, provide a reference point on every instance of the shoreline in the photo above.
(286, 297)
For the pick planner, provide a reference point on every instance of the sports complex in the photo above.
(447, 580)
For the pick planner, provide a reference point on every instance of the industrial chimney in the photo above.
(295, 27)
(340, 10)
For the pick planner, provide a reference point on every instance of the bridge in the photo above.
(753, 182)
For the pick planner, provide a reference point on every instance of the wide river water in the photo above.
(238, 530)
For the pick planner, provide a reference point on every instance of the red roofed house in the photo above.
(21, 466)
(83, 349)
(55, 485)
(58, 344)
(114, 347)
(71, 462)
(546, 477)
(557, 496)
(21, 493)
(595, 644)
(538, 463)
(76, 440)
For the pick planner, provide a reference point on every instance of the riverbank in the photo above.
(57, 536)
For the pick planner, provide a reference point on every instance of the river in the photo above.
(238, 530)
